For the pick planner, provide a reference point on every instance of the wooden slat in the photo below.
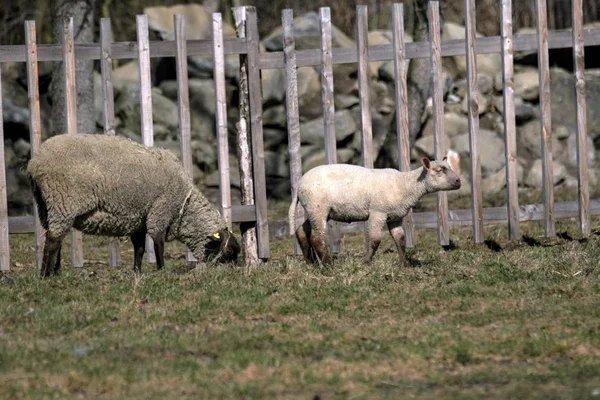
(145, 101)
(328, 110)
(510, 133)
(221, 118)
(433, 16)
(108, 104)
(363, 85)
(402, 132)
(292, 114)
(183, 103)
(258, 157)
(583, 191)
(35, 126)
(473, 117)
(545, 118)
(71, 118)
(4, 244)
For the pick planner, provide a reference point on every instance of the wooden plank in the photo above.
(402, 131)
(473, 117)
(183, 105)
(258, 157)
(292, 114)
(433, 16)
(510, 132)
(35, 126)
(364, 86)
(108, 105)
(335, 237)
(4, 244)
(244, 152)
(243, 213)
(583, 191)
(145, 101)
(221, 118)
(68, 42)
(545, 118)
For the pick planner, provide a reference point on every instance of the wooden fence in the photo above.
(247, 46)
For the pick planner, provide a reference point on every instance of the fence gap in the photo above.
(292, 113)
(433, 17)
(221, 116)
(68, 43)
(402, 134)
(583, 191)
(35, 126)
(473, 115)
(183, 105)
(545, 118)
(244, 152)
(362, 43)
(108, 104)
(328, 109)
(4, 244)
(258, 158)
(145, 101)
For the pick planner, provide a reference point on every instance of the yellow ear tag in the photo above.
(217, 235)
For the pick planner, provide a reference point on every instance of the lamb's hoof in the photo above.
(6, 280)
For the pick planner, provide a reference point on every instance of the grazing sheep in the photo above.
(112, 186)
(348, 193)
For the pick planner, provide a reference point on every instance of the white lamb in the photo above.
(348, 193)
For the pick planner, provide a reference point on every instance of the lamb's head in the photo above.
(222, 246)
(441, 175)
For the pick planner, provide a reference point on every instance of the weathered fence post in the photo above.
(510, 135)
(183, 105)
(145, 101)
(244, 152)
(108, 103)
(402, 131)
(35, 126)
(68, 43)
(362, 43)
(4, 244)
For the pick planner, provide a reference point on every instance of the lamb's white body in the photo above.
(348, 193)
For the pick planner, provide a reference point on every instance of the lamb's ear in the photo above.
(426, 163)
(454, 160)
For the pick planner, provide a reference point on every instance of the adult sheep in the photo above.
(112, 186)
(348, 193)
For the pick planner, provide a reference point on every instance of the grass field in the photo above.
(501, 320)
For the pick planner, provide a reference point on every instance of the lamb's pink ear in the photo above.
(426, 163)
(454, 160)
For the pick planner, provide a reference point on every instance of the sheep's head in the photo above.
(442, 175)
(222, 246)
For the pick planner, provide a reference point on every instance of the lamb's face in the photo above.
(441, 175)
(222, 246)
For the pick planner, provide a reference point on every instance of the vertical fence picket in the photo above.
(473, 113)
(68, 42)
(362, 43)
(510, 135)
(35, 126)
(221, 115)
(402, 134)
(258, 157)
(583, 192)
(183, 104)
(4, 244)
(328, 108)
(145, 101)
(292, 113)
(108, 104)
(545, 118)
(433, 16)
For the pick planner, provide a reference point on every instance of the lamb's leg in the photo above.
(303, 235)
(139, 241)
(375, 224)
(319, 240)
(57, 265)
(159, 251)
(51, 251)
(397, 233)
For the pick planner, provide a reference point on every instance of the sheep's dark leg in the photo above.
(303, 235)
(139, 241)
(397, 233)
(57, 265)
(159, 252)
(373, 235)
(51, 254)
(319, 241)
